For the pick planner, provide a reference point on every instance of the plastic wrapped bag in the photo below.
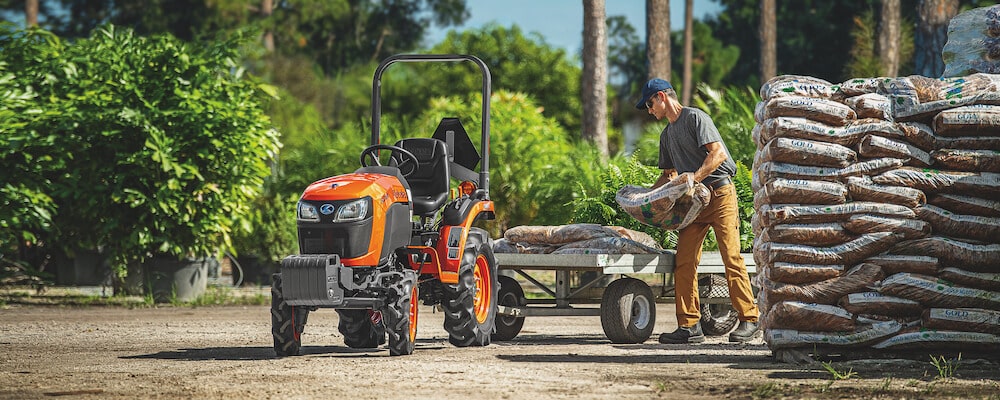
(672, 206)
(973, 44)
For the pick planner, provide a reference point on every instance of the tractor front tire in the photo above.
(509, 294)
(401, 316)
(287, 322)
(358, 329)
(471, 304)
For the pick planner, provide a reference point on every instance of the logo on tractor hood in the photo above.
(326, 209)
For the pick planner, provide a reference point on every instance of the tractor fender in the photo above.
(459, 211)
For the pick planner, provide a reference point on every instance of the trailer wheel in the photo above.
(509, 294)
(628, 311)
(718, 319)
(287, 322)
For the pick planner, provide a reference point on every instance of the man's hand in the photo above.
(682, 179)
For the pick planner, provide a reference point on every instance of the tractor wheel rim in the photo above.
(640, 312)
(481, 300)
(413, 313)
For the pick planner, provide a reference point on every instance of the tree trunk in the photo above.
(658, 38)
(768, 41)
(931, 35)
(266, 7)
(30, 13)
(888, 37)
(688, 38)
(595, 75)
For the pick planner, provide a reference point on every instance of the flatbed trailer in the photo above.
(627, 306)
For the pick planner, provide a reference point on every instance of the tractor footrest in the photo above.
(312, 280)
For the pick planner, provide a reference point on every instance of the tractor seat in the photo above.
(430, 183)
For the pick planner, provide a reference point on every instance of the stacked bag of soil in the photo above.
(877, 223)
(575, 239)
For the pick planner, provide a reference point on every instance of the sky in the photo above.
(560, 22)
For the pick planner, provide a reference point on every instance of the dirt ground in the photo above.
(225, 352)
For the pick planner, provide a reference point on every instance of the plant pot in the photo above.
(169, 279)
(253, 271)
(90, 268)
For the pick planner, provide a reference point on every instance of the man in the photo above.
(691, 145)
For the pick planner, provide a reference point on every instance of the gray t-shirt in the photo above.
(682, 145)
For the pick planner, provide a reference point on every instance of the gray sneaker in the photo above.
(744, 332)
(684, 335)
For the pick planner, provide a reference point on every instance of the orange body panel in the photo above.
(442, 263)
(384, 191)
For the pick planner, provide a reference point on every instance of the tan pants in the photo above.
(722, 216)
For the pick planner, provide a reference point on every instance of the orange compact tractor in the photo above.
(394, 232)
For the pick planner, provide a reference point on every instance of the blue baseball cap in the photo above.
(654, 85)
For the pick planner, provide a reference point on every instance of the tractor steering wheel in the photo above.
(405, 156)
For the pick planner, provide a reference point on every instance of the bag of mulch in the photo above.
(558, 234)
(863, 189)
(824, 234)
(974, 120)
(875, 303)
(769, 171)
(973, 227)
(920, 135)
(933, 292)
(894, 263)
(967, 160)
(857, 279)
(606, 245)
(816, 109)
(932, 180)
(871, 167)
(923, 137)
(504, 246)
(972, 46)
(864, 336)
(906, 228)
(799, 273)
(802, 316)
(871, 105)
(849, 253)
(962, 319)
(641, 237)
(976, 280)
(796, 85)
(860, 86)
(807, 152)
(916, 97)
(873, 146)
(971, 256)
(802, 128)
(966, 204)
(796, 214)
(672, 206)
(937, 340)
(800, 191)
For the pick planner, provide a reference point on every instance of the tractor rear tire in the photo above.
(401, 316)
(470, 308)
(628, 311)
(287, 322)
(509, 294)
(358, 329)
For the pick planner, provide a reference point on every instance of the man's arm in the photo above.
(716, 156)
(666, 176)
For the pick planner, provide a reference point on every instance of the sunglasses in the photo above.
(649, 103)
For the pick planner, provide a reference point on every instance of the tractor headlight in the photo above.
(307, 212)
(354, 211)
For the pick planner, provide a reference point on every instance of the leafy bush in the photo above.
(155, 146)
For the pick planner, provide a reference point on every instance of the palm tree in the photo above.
(768, 41)
(266, 7)
(888, 37)
(688, 34)
(595, 76)
(658, 38)
(932, 33)
(31, 13)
